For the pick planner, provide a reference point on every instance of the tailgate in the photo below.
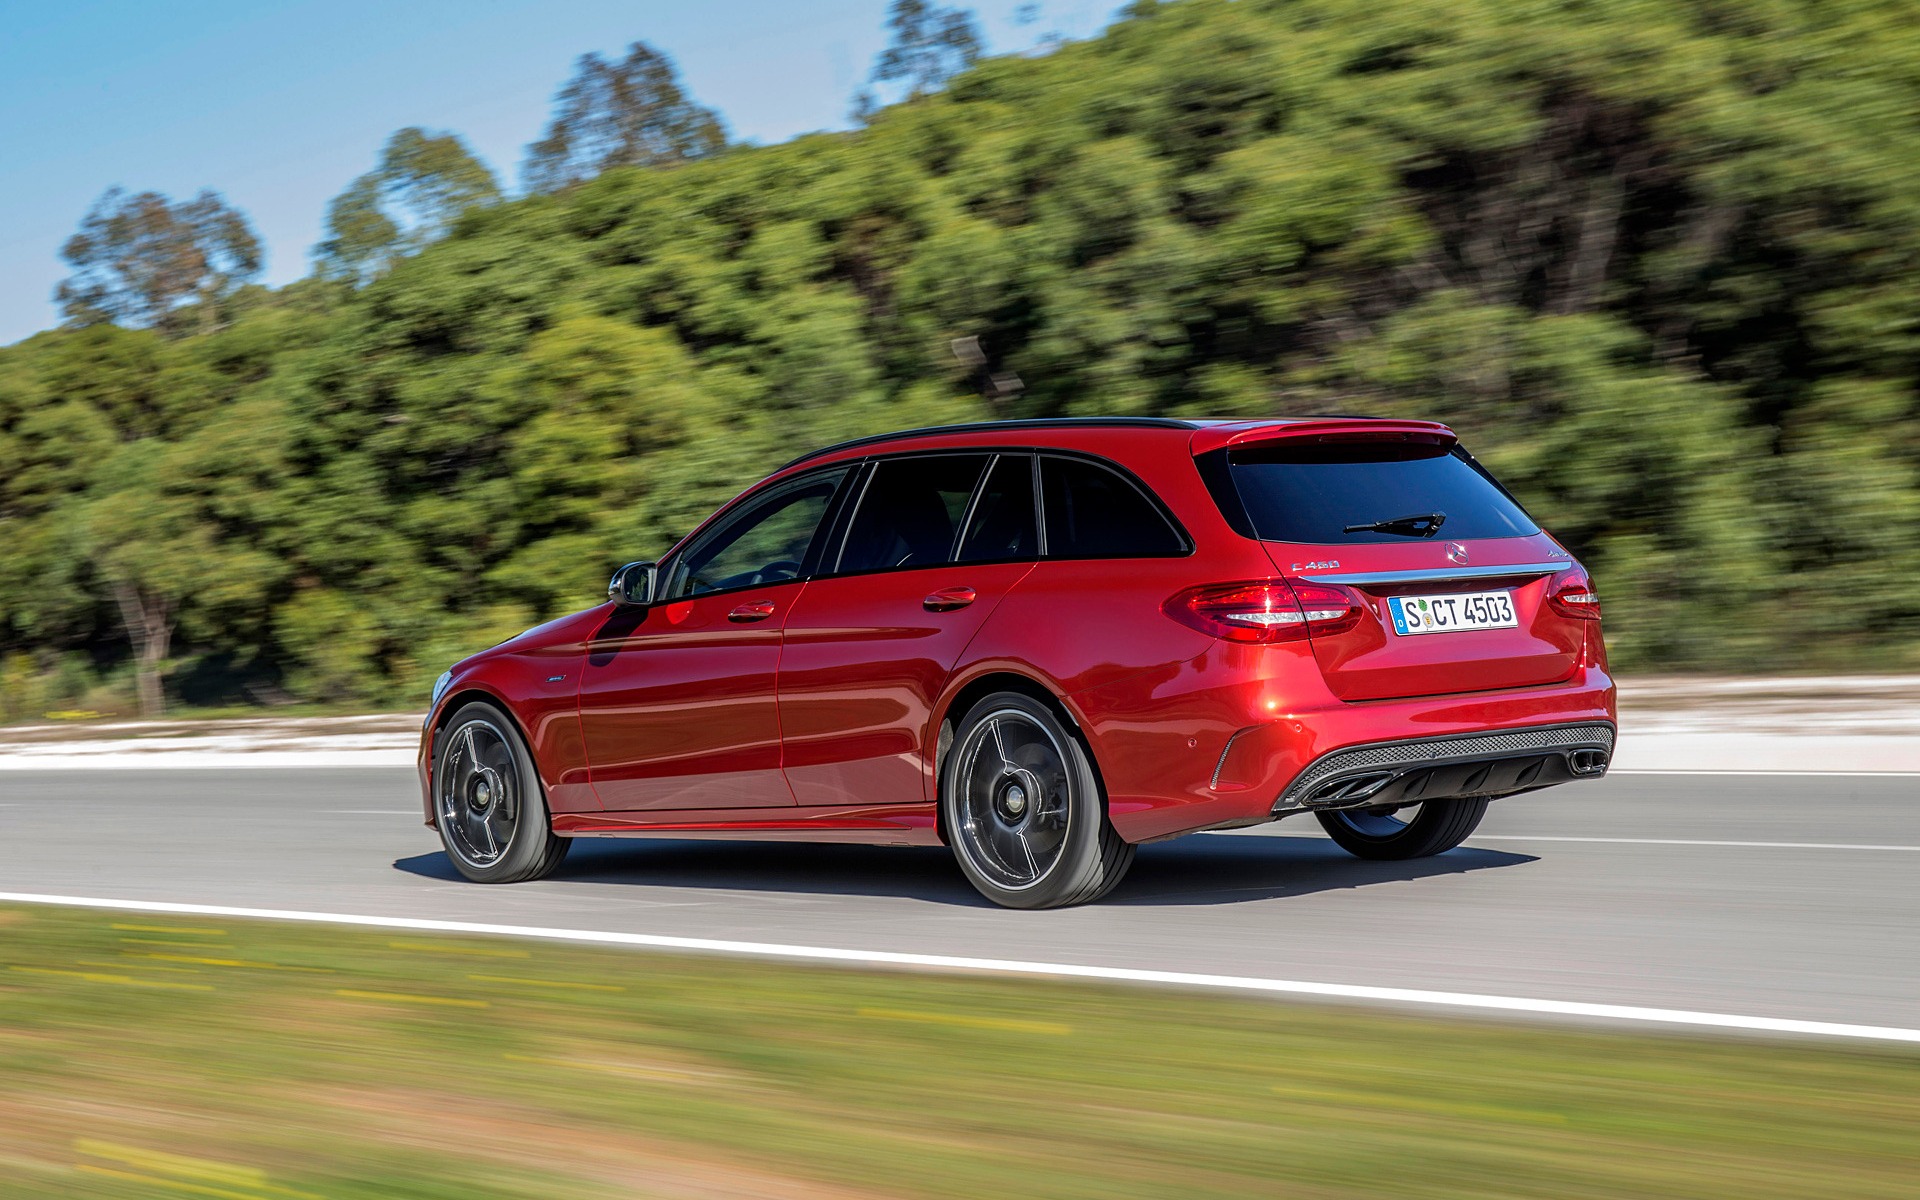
(1451, 575)
(1375, 660)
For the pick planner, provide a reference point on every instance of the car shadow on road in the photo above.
(1225, 869)
(1204, 869)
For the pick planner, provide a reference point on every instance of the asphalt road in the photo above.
(1630, 890)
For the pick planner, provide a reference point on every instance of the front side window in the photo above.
(766, 542)
(910, 512)
(1094, 512)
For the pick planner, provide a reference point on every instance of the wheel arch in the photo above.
(961, 699)
(454, 702)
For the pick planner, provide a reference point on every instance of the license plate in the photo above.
(1452, 614)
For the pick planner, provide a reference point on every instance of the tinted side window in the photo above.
(1002, 526)
(910, 512)
(765, 542)
(1092, 512)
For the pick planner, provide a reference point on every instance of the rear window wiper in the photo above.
(1413, 525)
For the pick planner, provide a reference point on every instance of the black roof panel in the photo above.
(989, 426)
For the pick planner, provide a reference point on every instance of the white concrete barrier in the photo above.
(1813, 725)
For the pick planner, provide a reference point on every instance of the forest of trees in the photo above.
(1658, 260)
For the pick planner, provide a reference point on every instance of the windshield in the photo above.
(1355, 492)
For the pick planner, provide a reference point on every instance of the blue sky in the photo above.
(279, 105)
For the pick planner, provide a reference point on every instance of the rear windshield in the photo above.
(1314, 493)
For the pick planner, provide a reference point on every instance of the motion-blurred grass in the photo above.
(162, 1056)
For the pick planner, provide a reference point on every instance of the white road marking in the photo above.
(160, 759)
(1686, 842)
(1001, 966)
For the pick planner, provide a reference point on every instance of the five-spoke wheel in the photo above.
(1022, 808)
(488, 803)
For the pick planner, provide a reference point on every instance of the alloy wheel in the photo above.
(1014, 799)
(479, 801)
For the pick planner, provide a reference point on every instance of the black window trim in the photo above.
(830, 539)
(848, 503)
(1039, 508)
(1034, 454)
(972, 505)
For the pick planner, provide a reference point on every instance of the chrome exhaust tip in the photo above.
(1587, 762)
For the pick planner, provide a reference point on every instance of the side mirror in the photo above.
(632, 585)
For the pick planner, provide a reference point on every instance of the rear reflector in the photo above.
(1264, 611)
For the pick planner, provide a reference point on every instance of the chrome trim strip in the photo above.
(1437, 573)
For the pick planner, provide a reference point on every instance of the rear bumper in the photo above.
(1233, 739)
(1411, 770)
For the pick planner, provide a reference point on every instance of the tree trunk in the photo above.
(149, 622)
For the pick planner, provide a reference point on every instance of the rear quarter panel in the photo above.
(1139, 684)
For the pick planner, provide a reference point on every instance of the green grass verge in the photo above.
(157, 1056)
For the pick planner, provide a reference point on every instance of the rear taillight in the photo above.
(1573, 596)
(1265, 611)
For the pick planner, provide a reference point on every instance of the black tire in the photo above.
(1023, 808)
(488, 803)
(1416, 831)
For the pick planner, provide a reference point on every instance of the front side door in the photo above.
(934, 544)
(677, 703)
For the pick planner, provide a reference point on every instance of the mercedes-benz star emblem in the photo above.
(1457, 553)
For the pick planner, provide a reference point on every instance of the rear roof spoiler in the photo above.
(1242, 434)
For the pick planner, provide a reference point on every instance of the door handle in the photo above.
(753, 610)
(949, 598)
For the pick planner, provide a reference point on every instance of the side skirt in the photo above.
(885, 825)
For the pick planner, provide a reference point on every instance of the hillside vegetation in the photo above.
(1655, 260)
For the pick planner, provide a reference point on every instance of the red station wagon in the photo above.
(1043, 643)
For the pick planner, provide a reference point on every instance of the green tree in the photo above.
(1658, 263)
(631, 113)
(929, 46)
(138, 258)
(160, 555)
(422, 183)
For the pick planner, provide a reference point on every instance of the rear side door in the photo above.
(933, 544)
(677, 701)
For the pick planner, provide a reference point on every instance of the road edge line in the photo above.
(956, 963)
